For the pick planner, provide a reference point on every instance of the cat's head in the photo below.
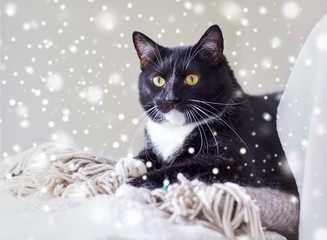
(183, 85)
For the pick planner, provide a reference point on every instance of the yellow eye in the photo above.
(191, 79)
(158, 81)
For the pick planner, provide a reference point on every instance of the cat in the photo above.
(201, 123)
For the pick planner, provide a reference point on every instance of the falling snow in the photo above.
(231, 10)
(291, 10)
(94, 94)
(54, 82)
(74, 78)
(266, 116)
(215, 171)
(11, 9)
(242, 150)
(322, 42)
(191, 150)
(148, 164)
(106, 21)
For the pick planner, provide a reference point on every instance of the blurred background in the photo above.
(69, 69)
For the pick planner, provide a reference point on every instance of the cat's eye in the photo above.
(191, 79)
(158, 81)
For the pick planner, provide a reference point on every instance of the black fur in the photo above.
(243, 126)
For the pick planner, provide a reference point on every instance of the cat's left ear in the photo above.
(211, 45)
(145, 47)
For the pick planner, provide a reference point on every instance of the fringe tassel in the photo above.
(223, 207)
(61, 171)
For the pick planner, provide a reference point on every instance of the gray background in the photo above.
(69, 70)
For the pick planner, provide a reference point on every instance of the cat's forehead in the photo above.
(177, 52)
(176, 56)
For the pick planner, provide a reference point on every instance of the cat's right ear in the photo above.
(211, 45)
(145, 47)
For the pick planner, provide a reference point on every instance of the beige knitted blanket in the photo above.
(61, 171)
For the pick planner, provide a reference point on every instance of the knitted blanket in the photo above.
(60, 171)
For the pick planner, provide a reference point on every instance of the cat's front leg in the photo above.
(130, 167)
(149, 159)
(167, 175)
(208, 169)
(144, 162)
(151, 180)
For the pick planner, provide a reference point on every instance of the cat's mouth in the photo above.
(175, 117)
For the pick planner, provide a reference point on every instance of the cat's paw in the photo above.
(130, 167)
(127, 191)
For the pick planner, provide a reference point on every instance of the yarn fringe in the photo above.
(223, 207)
(61, 171)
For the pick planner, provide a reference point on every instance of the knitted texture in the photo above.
(58, 170)
(55, 170)
(279, 210)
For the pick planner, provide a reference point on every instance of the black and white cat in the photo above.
(201, 123)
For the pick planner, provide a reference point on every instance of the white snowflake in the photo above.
(191, 150)
(276, 42)
(291, 10)
(263, 10)
(215, 171)
(11, 9)
(54, 82)
(51, 124)
(106, 21)
(24, 123)
(231, 10)
(16, 148)
(115, 78)
(198, 8)
(322, 42)
(115, 145)
(22, 110)
(242, 150)
(94, 94)
(266, 63)
(121, 116)
(266, 116)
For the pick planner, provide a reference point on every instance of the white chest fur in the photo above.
(168, 138)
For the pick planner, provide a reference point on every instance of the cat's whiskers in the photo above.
(201, 129)
(224, 122)
(209, 104)
(216, 103)
(220, 113)
(189, 113)
(129, 125)
(195, 110)
(219, 94)
(141, 126)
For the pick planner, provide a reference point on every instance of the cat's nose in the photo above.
(172, 101)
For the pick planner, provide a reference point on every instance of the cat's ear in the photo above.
(145, 47)
(211, 45)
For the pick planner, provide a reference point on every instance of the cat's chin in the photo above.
(175, 117)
